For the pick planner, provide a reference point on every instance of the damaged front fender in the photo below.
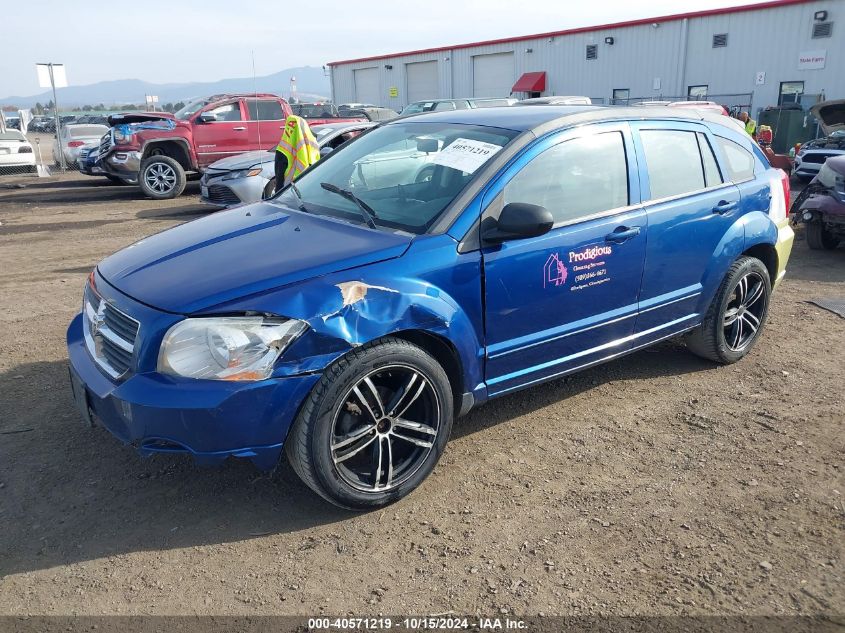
(351, 308)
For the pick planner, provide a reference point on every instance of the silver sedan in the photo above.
(251, 176)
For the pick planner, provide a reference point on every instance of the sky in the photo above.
(164, 41)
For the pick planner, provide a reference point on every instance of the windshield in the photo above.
(421, 106)
(185, 113)
(88, 130)
(11, 135)
(407, 173)
(313, 110)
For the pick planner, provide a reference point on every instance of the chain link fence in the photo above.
(30, 144)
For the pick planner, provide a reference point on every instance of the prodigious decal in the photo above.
(589, 266)
(554, 272)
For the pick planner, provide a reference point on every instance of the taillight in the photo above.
(784, 180)
(779, 205)
(76, 144)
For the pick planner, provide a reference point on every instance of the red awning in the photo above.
(530, 82)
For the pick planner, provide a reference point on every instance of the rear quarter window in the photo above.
(739, 162)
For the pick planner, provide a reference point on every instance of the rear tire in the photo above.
(736, 316)
(161, 177)
(819, 238)
(374, 426)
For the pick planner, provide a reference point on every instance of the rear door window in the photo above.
(674, 162)
(265, 110)
(739, 161)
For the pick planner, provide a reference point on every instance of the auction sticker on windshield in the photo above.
(465, 154)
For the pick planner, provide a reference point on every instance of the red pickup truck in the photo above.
(157, 150)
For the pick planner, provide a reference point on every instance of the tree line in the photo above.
(41, 109)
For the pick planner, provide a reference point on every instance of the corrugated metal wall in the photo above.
(649, 61)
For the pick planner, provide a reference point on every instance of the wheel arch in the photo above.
(445, 353)
(767, 254)
(177, 149)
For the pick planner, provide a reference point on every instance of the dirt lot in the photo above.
(657, 484)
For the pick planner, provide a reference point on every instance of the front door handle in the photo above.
(622, 234)
(238, 129)
(724, 206)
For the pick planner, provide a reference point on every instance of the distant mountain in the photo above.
(311, 82)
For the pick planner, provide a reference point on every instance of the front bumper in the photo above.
(125, 165)
(209, 419)
(225, 193)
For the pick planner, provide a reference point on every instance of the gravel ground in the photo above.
(656, 484)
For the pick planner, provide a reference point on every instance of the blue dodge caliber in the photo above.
(430, 265)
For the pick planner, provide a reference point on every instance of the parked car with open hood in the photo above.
(72, 137)
(349, 320)
(821, 206)
(251, 176)
(812, 154)
(158, 149)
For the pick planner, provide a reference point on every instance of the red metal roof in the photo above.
(771, 4)
(530, 82)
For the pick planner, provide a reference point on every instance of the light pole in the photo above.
(49, 66)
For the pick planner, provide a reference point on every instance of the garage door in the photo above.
(492, 75)
(422, 81)
(367, 85)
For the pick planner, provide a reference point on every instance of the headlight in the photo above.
(226, 348)
(242, 173)
(122, 139)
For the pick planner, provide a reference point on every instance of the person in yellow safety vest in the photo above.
(750, 124)
(297, 150)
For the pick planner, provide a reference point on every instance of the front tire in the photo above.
(161, 177)
(736, 316)
(374, 427)
(819, 238)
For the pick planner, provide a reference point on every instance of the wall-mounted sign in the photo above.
(393, 91)
(812, 60)
(760, 78)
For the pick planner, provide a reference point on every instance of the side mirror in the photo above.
(518, 220)
(326, 150)
(207, 117)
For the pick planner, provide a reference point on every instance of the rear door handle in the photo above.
(724, 206)
(622, 234)
(238, 129)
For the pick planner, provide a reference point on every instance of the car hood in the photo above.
(830, 115)
(138, 117)
(244, 251)
(242, 161)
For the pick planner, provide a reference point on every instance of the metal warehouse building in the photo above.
(751, 56)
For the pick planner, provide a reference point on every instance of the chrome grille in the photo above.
(222, 195)
(106, 144)
(817, 157)
(109, 334)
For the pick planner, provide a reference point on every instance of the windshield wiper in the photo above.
(366, 210)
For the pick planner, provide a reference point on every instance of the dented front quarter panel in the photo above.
(431, 289)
